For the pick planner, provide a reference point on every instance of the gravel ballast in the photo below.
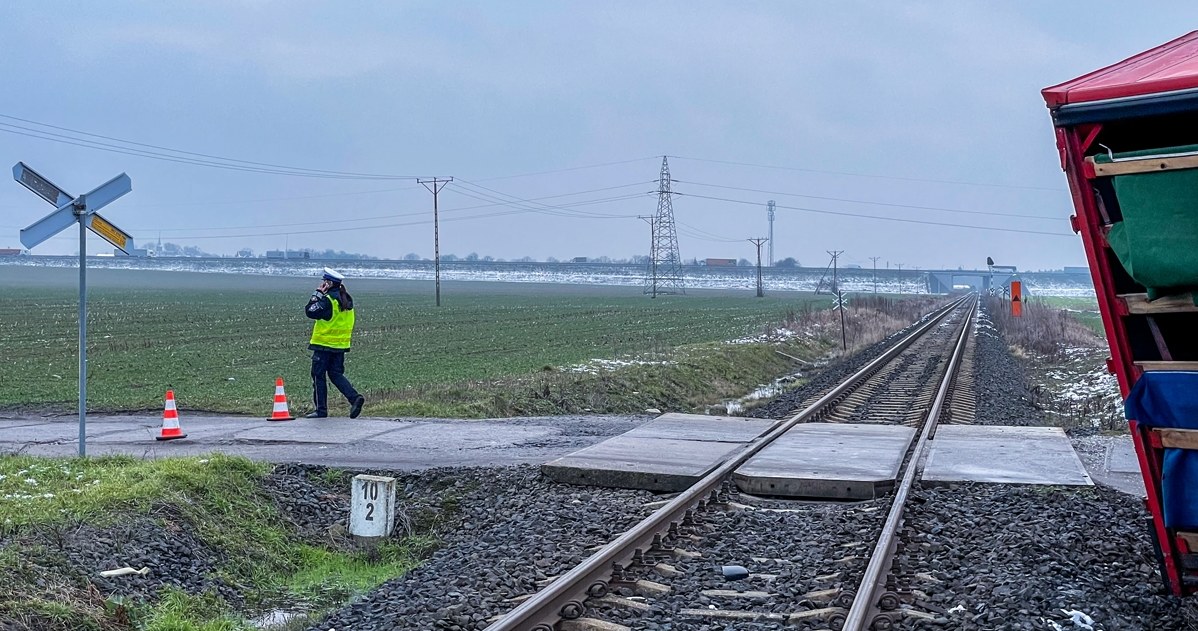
(514, 529)
(1019, 557)
(1000, 380)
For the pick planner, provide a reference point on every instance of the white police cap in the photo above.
(333, 276)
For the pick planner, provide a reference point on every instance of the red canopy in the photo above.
(1168, 67)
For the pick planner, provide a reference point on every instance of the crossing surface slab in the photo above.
(1011, 455)
(828, 460)
(669, 453)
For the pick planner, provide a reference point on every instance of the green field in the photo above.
(1085, 310)
(220, 340)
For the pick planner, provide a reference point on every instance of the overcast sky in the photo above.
(928, 104)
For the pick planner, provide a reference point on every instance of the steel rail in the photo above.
(563, 598)
(865, 604)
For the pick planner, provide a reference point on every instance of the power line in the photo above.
(391, 225)
(209, 159)
(490, 204)
(484, 193)
(556, 211)
(567, 169)
(871, 175)
(874, 203)
(898, 219)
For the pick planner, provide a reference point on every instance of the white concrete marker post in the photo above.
(372, 509)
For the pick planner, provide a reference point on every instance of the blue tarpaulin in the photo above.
(1170, 399)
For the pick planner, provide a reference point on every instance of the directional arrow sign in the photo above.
(40, 185)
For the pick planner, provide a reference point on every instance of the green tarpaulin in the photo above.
(1157, 240)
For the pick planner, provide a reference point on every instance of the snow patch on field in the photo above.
(595, 366)
(1078, 389)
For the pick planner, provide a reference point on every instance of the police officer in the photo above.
(332, 309)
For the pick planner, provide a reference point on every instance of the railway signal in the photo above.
(81, 210)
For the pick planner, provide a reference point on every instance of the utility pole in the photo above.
(649, 219)
(835, 254)
(757, 242)
(434, 186)
(900, 276)
(875, 260)
(839, 300)
(770, 206)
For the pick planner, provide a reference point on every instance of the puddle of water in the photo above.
(737, 407)
(276, 619)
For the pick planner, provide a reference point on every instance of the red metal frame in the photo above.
(1168, 67)
(1073, 143)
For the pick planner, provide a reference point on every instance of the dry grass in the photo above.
(867, 320)
(1042, 329)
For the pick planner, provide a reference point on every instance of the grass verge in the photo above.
(1066, 362)
(220, 499)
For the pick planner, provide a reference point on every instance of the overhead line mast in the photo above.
(664, 260)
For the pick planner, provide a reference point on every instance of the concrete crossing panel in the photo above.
(1011, 455)
(828, 461)
(669, 453)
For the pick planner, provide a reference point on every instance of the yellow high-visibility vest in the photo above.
(334, 333)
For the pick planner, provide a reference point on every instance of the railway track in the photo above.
(853, 588)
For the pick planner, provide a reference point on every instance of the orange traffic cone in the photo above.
(170, 420)
(280, 412)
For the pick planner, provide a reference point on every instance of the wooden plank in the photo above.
(732, 593)
(1157, 365)
(1179, 438)
(1143, 165)
(590, 624)
(1138, 304)
(729, 614)
(627, 603)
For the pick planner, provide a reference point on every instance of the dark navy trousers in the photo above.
(333, 365)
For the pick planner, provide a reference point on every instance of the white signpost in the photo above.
(372, 507)
(81, 210)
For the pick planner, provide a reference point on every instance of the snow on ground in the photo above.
(595, 366)
(1080, 389)
(696, 277)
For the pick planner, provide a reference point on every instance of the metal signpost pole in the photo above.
(80, 212)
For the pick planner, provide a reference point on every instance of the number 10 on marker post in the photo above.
(372, 507)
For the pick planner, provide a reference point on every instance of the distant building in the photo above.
(140, 252)
(276, 254)
(579, 259)
(719, 262)
(11, 252)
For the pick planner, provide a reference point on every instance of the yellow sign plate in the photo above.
(111, 233)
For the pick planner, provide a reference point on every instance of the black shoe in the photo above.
(316, 415)
(356, 408)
